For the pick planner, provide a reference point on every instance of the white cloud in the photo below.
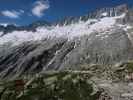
(40, 7)
(11, 14)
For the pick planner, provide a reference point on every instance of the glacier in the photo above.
(70, 32)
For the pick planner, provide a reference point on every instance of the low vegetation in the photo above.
(57, 86)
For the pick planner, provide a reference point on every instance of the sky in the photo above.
(24, 12)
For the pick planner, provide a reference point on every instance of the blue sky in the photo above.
(22, 12)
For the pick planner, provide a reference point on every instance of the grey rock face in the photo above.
(28, 57)
(115, 48)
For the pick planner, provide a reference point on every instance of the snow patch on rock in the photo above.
(104, 14)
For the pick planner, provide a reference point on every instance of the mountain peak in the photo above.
(109, 11)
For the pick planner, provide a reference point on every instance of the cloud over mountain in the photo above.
(40, 7)
(12, 13)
